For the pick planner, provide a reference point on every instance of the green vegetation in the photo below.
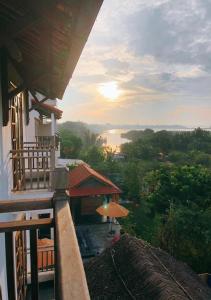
(179, 199)
(167, 178)
(174, 199)
(76, 139)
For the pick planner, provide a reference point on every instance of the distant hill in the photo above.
(98, 128)
(79, 128)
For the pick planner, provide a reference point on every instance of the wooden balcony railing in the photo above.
(46, 142)
(32, 168)
(70, 280)
(45, 258)
(53, 141)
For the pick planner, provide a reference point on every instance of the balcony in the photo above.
(64, 259)
(46, 142)
(33, 164)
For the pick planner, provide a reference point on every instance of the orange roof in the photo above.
(83, 172)
(47, 109)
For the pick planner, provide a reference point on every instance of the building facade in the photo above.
(39, 49)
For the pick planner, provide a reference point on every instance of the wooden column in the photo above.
(34, 265)
(10, 265)
(56, 279)
(53, 124)
(4, 85)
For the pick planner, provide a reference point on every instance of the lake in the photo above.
(114, 139)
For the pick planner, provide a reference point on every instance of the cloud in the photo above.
(159, 53)
(190, 72)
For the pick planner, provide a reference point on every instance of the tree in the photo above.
(70, 144)
(182, 197)
(186, 234)
(186, 185)
(93, 155)
(80, 130)
(131, 181)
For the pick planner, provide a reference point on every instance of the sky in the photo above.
(146, 62)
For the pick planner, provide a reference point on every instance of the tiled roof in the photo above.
(82, 173)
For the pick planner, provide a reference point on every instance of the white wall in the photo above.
(44, 129)
(6, 180)
(30, 129)
(4, 187)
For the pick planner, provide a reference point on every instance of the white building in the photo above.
(40, 45)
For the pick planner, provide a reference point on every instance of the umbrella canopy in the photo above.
(112, 210)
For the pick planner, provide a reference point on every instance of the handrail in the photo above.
(31, 150)
(71, 280)
(7, 206)
(26, 224)
(65, 258)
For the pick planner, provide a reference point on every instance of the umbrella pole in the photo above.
(111, 221)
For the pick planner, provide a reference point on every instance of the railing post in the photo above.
(10, 265)
(56, 278)
(34, 265)
(70, 276)
(52, 167)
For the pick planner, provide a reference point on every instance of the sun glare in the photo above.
(109, 90)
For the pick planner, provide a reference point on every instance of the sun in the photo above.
(109, 90)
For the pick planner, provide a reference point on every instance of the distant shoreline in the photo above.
(116, 137)
(99, 128)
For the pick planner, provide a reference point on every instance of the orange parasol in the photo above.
(112, 210)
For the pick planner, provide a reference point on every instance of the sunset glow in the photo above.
(149, 64)
(109, 90)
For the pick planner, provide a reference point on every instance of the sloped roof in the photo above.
(132, 269)
(81, 174)
(47, 109)
(45, 39)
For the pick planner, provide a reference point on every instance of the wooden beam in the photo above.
(10, 265)
(26, 224)
(34, 106)
(17, 67)
(34, 265)
(4, 85)
(35, 97)
(7, 206)
(11, 45)
(16, 91)
(26, 106)
(71, 280)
